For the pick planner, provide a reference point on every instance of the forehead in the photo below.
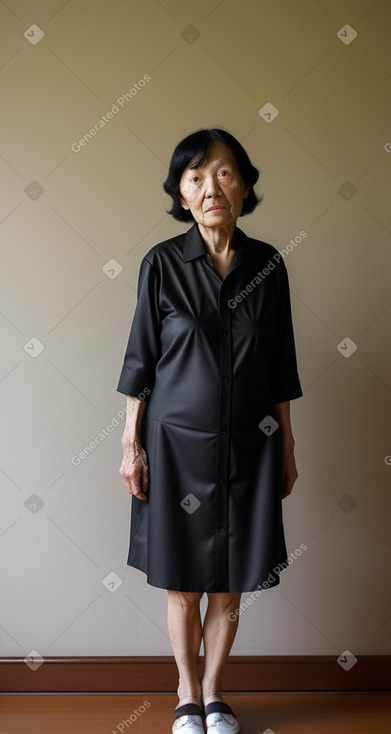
(218, 154)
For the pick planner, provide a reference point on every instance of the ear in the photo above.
(247, 191)
(183, 203)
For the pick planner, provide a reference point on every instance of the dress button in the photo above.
(221, 481)
(224, 433)
(221, 530)
(224, 332)
(225, 380)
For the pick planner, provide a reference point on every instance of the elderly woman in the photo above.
(209, 371)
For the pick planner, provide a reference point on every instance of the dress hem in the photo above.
(258, 589)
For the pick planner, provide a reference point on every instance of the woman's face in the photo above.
(214, 191)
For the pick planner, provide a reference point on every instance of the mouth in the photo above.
(215, 208)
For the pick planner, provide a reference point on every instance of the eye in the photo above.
(224, 173)
(194, 179)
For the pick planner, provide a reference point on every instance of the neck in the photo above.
(218, 239)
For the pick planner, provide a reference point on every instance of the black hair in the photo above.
(194, 148)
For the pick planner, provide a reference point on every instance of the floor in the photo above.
(273, 713)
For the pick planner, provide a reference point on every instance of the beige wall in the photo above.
(65, 215)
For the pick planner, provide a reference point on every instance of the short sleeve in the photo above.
(284, 375)
(143, 350)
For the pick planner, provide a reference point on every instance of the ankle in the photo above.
(189, 694)
(211, 694)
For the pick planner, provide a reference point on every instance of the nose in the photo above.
(212, 187)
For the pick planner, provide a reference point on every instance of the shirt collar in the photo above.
(194, 245)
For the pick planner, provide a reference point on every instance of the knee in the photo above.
(184, 599)
(225, 601)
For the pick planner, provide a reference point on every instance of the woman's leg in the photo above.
(185, 629)
(218, 633)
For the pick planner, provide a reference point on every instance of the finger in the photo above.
(145, 478)
(136, 488)
(140, 496)
(287, 489)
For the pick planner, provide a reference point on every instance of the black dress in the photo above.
(212, 357)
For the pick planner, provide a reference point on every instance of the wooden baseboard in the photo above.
(159, 674)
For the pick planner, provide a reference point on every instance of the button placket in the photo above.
(223, 428)
(223, 441)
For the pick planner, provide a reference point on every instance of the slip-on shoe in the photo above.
(188, 719)
(220, 719)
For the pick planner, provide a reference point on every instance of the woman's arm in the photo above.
(289, 471)
(134, 467)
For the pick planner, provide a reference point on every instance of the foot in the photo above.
(212, 699)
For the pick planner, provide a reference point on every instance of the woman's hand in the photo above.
(289, 471)
(134, 469)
